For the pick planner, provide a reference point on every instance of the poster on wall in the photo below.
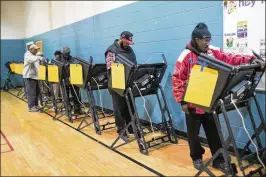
(230, 6)
(230, 42)
(242, 46)
(244, 28)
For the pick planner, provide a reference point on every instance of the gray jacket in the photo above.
(31, 64)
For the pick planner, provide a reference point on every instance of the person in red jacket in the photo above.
(201, 38)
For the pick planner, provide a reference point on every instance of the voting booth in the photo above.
(55, 71)
(120, 74)
(95, 78)
(17, 68)
(217, 88)
(42, 73)
(79, 72)
(56, 74)
(139, 81)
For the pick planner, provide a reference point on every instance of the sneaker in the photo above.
(38, 107)
(33, 109)
(198, 164)
(45, 99)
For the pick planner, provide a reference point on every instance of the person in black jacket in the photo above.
(121, 112)
(67, 59)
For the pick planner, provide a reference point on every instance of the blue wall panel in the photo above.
(11, 50)
(162, 27)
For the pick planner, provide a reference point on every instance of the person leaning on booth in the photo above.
(30, 76)
(121, 112)
(201, 38)
(67, 59)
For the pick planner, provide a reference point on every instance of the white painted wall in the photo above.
(43, 16)
(37, 18)
(12, 20)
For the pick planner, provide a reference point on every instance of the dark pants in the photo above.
(121, 112)
(33, 91)
(194, 122)
(74, 93)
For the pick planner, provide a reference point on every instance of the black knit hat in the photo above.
(201, 31)
(58, 52)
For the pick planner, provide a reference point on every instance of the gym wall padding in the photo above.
(11, 50)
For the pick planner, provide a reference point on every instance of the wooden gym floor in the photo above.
(32, 144)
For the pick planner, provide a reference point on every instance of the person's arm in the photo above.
(232, 58)
(109, 59)
(31, 58)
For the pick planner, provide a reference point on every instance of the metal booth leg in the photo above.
(136, 123)
(138, 132)
(94, 114)
(66, 102)
(231, 168)
(168, 123)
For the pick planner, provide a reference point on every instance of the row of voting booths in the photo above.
(214, 86)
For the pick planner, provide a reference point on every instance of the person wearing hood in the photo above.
(121, 112)
(67, 59)
(30, 76)
(200, 40)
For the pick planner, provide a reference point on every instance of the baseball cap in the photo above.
(33, 46)
(201, 31)
(127, 37)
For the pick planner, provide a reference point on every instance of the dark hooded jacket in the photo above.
(117, 49)
(66, 60)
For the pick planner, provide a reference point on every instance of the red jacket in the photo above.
(188, 59)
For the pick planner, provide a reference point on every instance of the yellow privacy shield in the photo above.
(76, 76)
(201, 86)
(53, 75)
(12, 67)
(41, 72)
(19, 68)
(118, 76)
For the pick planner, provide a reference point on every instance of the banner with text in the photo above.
(244, 28)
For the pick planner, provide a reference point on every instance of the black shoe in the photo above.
(79, 112)
(198, 164)
(123, 136)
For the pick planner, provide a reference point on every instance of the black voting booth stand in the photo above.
(61, 107)
(235, 83)
(143, 80)
(95, 78)
(21, 90)
(8, 84)
(46, 105)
